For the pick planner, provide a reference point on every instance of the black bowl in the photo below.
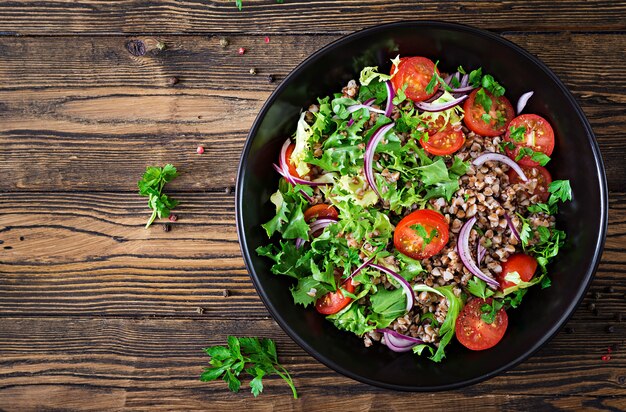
(576, 157)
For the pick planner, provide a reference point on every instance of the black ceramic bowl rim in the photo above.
(573, 304)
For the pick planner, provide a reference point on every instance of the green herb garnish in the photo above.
(151, 185)
(538, 157)
(423, 233)
(257, 357)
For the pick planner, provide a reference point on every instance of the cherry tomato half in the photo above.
(476, 334)
(538, 136)
(292, 167)
(320, 211)
(501, 113)
(521, 263)
(410, 242)
(543, 180)
(333, 302)
(416, 73)
(444, 142)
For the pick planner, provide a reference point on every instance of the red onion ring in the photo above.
(497, 157)
(408, 290)
(465, 80)
(285, 167)
(369, 102)
(368, 159)
(480, 253)
(390, 95)
(397, 341)
(314, 227)
(521, 103)
(355, 107)
(439, 107)
(360, 268)
(512, 227)
(462, 248)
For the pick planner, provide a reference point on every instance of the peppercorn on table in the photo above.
(100, 313)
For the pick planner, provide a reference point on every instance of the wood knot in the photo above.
(136, 47)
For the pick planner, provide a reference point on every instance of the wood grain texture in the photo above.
(34, 17)
(125, 363)
(94, 106)
(88, 254)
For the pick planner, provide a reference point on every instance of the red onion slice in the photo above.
(408, 290)
(480, 253)
(368, 159)
(437, 95)
(356, 107)
(521, 103)
(466, 257)
(497, 157)
(360, 268)
(315, 227)
(369, 102)
(512, 227)
(398, 342)
(390, 95)
(285, 168)
(439, 107)
(465, 80)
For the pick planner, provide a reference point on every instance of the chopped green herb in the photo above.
(560, 190)
(486, 118)
(151, 185)
(475, 77)
(490, 311)
(257, 357)
(484, 100)
(489, 83)
(517, 133)
(478, 287)
(421, 231)
(538, 157)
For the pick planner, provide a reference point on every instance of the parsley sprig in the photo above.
(151, 185)
(423, 233)
(257, 357)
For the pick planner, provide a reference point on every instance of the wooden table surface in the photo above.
(98, 313)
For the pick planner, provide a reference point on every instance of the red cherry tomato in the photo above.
(501, 113)
(292, 167)
(320, 211)
(410, 242)
(521, 263)
(543, 180)
(476, 334)
(333, 302)
(538, 136)
(416, 73)
(444, 142)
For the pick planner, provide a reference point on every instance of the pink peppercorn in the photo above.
(241, 50)
(173, 218)
(200, 149)
(606, 358)
(267, 39)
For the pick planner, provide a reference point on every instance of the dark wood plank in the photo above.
(305, 16)
(126, 363)
(89, 254)
(93, 105)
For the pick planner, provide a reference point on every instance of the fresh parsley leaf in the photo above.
(478, 288)
(239, 4)
(475, 77)
(461, 70)
(560, 190)
(484, 100)
(546, 282)
(151, 185)
(541, 208)
(526, 233)
(258, 354)
(430, 87)
(490, 311)
(538, 157)
(446, 332)
(486, 117)
(515, 299)
(489, 83)
(517, 133)
(423, 233)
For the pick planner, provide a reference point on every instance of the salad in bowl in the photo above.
(416, 206)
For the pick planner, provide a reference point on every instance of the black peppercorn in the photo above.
(226, 293)
(569, 330)
(591, 306)
(21, 238)
(172, 80)
(609, 289)
(610, 329)
(597, 295)
(271, 78)
(167, 227)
